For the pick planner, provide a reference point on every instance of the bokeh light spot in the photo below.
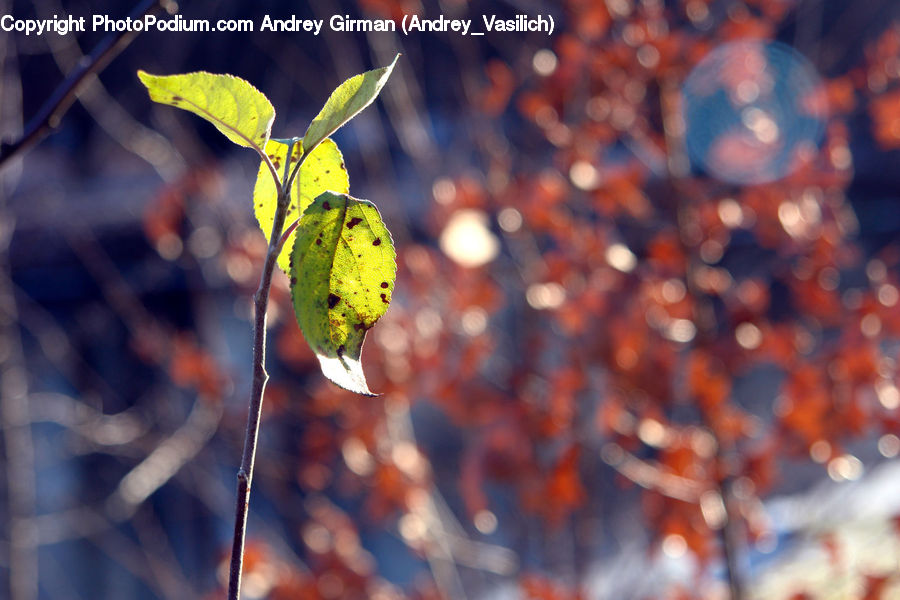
(674, 546)
(748, 111)
(620, 257)
(543, 296)
(544, 62)
(485, 522)
(467, 240)
(889, 445)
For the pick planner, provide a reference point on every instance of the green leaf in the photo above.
(235, 107)
(346, 102)
(322, 170)
(343, 267)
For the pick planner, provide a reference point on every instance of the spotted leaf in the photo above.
(343, 267)
(237, 109)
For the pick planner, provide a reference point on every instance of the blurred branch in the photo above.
(406, 111)
(51, 113)
(154, 543)
(163, 580)
(207, 487)
(679, 168)
(651, 477)
(729, 535)
(167, 459)
(88, 422)
(18, 443)
(161, 465)
(444, 543)
(118, 294)
(56, 345)
(108, 112)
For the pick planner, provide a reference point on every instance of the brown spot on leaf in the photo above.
(377, 242)
(318, 241)
(177, 98)
(353, 222)
(341, 350)
(384, 284)
(384, 299)
(326, 206)
(333, 300)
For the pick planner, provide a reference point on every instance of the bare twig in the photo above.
(258, 387)
(50, 114)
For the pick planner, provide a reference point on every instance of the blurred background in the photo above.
(643, 342)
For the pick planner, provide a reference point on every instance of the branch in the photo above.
(679, 168)
(287, 233)
(112, 117)
(18, 443)
(260, 378)
(153, 472)
(51, 113)
(651, 476)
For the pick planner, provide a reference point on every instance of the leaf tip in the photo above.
(345, 372)
(144, 76)
(386, 71)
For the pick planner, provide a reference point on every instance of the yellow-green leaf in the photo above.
(235, 107)
(343, 267)
(323, 170)
(345, 102)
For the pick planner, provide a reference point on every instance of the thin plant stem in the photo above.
(258, 387)
(287, 233)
